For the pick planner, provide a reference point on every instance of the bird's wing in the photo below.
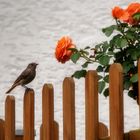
(23, 75)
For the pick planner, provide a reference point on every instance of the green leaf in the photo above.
(105, 46)
(127, 66)
(131, 94)
(120, 42)
(109, 30)
(107, 68)
(123, 42)
(101, 86)
(100, 77)
(99, 69)
(106, 92)
(106, 78)
(130, 35)
(100, 54)
(134, 78)
(115, 41)
(135, 54)
(136, 16)
(104, 60)
(75, 57)
(127, 84)
(79, 74)
(110, 53)
(98, 46)
(85, 64)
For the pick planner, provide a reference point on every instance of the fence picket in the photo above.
(103, 130)
(47, 112)
(91, 105)
(94, 130)
(28, 115)
(116, 102)
(56, 131)
(2, 129)
(68, 109)
(10, 118)
(139, 89)
(134, 135)
(41, 134)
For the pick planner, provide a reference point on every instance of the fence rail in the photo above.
(49, 129)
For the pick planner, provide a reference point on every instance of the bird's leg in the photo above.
(25, 86)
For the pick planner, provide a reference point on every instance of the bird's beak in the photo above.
(37, 64)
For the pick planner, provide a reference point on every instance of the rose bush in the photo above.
(122, 47)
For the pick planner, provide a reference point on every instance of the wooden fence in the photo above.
(49, 129)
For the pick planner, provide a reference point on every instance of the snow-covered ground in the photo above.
(29, 30)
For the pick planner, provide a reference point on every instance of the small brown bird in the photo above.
(25, 77)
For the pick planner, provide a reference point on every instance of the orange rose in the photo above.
(62, 53)
(120, 13)
(132, 9)
(117, 12)
(126, 15)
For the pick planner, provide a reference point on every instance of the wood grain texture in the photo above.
(10, 118)
(47, 112)
(103, 130)
(91, 105)
(28, 115)
(2, 129)
(126, 137)
(116, 102)
(41, 133)
(68, 109)
(138, 100)
(134, 135)
(19, 137)
(56, 131)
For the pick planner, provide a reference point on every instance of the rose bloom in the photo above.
(117, 12)
(126, 15)
(131, 10)
(62, 53)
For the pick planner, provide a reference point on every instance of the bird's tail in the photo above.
(13, 86)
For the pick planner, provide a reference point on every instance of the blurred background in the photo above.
(29, 31)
